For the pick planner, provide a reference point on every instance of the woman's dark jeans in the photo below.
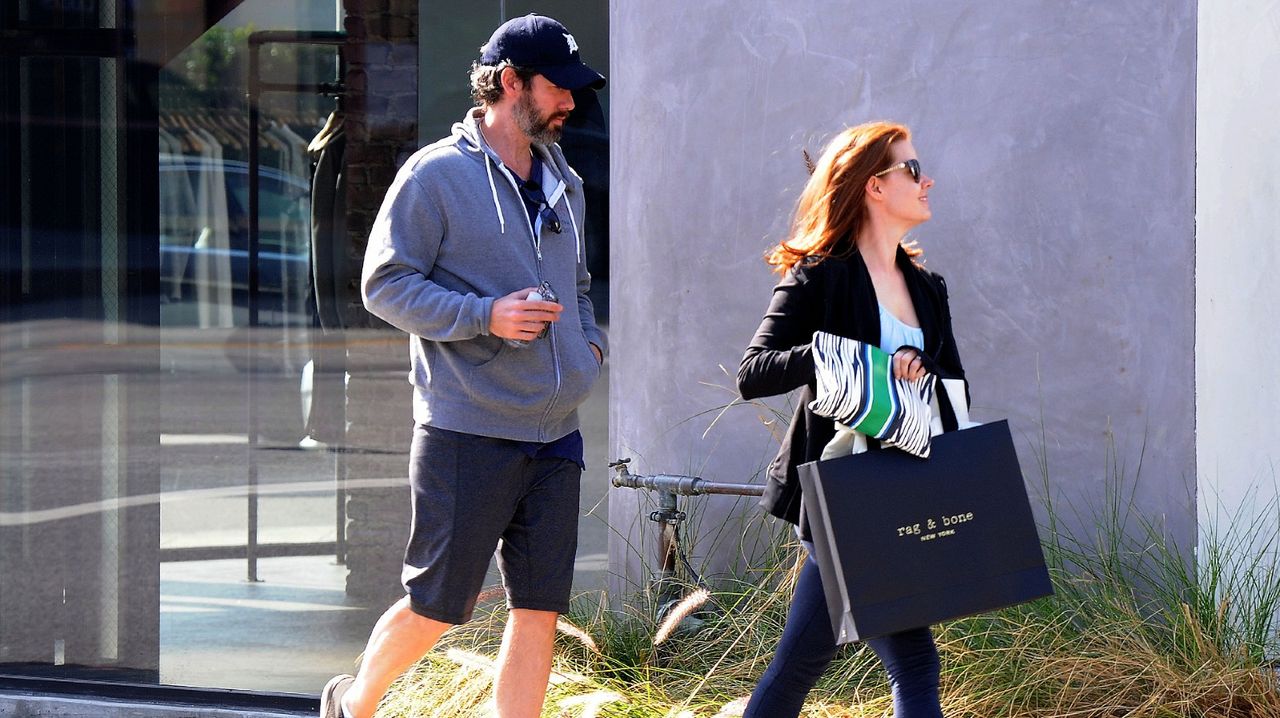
(808, 645)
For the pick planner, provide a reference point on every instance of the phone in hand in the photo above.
(544, 293)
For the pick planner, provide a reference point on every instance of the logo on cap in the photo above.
(573, 44)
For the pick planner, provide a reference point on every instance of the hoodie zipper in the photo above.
(537, 250)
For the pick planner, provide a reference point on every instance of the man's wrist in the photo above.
(486, 314)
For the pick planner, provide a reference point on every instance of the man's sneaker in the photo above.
(331, 697)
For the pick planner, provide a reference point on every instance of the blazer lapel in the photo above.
(925, 303)
(866, 309)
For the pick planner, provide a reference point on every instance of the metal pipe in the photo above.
(340, 477)
(298, 37)
(340, 508)
(668, 516)
(256, 89)
(319, 88)
(668, 535)
(251, 541)
(682, 485)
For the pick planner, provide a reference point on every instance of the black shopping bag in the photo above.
(904, 542)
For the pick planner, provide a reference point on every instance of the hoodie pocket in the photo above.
(516, 379)
(479, 351)
(579, 370)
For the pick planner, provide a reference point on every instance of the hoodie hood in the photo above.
(468, 137)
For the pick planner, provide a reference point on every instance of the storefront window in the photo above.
(184, 497)
(169, 488)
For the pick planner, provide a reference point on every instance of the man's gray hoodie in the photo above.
(453, 235)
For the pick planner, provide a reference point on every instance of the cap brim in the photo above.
(573, 76)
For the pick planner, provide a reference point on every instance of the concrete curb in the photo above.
(39, 705)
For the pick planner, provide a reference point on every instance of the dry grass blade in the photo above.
(734, 708)
(573, 631)
(679, 612)
(472, 661)
(591, 703)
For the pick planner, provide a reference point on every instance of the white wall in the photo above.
(1238, 260)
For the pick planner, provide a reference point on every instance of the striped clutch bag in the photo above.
(856, 387)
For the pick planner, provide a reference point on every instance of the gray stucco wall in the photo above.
(1061, 137)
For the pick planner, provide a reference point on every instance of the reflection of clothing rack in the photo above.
(257, 88)
(201, 224)
(231, 129)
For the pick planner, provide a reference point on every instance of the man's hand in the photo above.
(596, 350)
(514, 317)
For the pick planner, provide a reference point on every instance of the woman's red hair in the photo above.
(831, 209)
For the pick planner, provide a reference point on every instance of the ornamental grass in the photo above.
(1137, 627)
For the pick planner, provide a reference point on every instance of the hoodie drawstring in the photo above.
(502, 221)
(493, 190)
(577, 240)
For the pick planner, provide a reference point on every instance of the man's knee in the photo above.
(404, 616)
(533, 617)
(529, 625)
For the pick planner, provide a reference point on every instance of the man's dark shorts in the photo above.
(470, 491)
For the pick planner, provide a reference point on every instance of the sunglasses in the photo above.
(912, 166)
(532, 191)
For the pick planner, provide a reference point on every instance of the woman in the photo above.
(845, 270)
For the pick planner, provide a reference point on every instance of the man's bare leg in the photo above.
(399, 640)
(524, 663)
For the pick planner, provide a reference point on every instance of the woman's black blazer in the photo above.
(834, 295)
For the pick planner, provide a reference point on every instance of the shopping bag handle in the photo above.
(951, 417)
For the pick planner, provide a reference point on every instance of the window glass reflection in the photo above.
(252, 401)
(176, 452)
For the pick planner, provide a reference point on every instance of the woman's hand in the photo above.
(908, 365)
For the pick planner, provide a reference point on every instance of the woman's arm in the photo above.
(779, 358)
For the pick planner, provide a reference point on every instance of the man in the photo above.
(478, 236)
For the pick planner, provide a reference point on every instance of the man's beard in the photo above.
(538, 128)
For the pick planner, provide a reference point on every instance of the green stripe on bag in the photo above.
(880, 387)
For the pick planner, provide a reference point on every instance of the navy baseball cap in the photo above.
(539, 43)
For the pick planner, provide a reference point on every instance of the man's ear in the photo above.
(511, 81)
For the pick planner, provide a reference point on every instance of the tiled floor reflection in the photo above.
(282, 634)
(296, 627)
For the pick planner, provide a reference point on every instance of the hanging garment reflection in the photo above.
(323, 380)
(204, 223)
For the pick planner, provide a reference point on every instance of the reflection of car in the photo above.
(204, 242)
